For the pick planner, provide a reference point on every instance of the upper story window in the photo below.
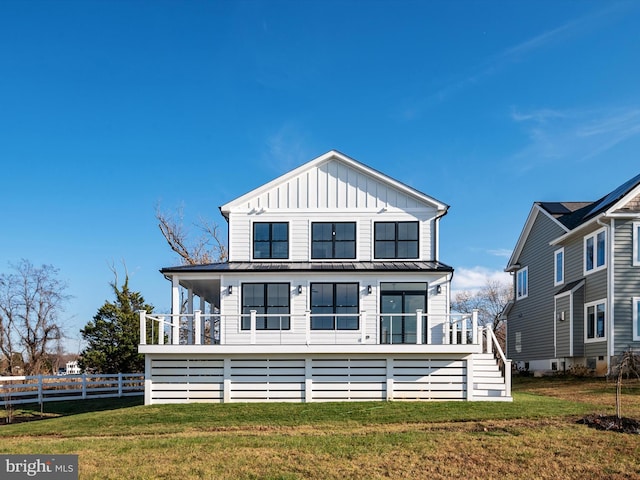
(636, 243)
(558, 267)
(271, 299)
(595, 318)
(595, 248)
(330, 302)
(522, 283)
(396, 240)
(333, 240)
(271, 240)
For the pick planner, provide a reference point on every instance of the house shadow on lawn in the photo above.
(32, 412)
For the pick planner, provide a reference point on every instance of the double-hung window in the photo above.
(396, 240)
(270, 240)
(595, 249)
(331, 304)
(558, 267)
(333, 240)
(595, 318)
(522, 283)
(271, 303)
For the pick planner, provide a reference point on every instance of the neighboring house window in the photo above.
(266, 298)
(333, 240)
(595, 317)
(396, 240)
(558, 267)
(271, 240)
(522, 283)
(329, 304)
(595, 247)
(636, 243)
(636, 319)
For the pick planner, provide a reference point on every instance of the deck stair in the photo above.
(488, 382)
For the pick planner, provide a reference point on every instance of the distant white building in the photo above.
(72, 368)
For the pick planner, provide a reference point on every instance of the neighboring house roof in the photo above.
(236, 267)
(573, 215)
(299, 173)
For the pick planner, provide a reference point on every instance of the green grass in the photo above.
(536, 435)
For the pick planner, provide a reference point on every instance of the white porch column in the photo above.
(307, 326)
(197, 327)
(419, 326)
(474, 327)
(175, 310)
(143, 327)
(489, 342)
(428, 326)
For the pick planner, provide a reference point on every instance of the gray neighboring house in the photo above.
(576, 278)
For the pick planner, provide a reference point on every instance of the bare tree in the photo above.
(207, 248)
(627, 365)
(490, 301)
(31, 301)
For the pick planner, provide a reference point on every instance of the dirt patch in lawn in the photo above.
(612, 423)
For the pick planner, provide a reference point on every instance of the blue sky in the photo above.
(109, 109)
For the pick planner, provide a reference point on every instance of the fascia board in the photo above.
(624, 200)
(524, 234)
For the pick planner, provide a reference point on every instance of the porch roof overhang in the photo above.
(252, 267)
(205, 280)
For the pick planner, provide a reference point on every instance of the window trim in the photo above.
(265, 286)
(595, 305)
(396, 240)
(635, 261)
(334, 306)
(635, 305)
(557, 282)
(594, 237)
(525, 294)
(334, 241)
(270, 257)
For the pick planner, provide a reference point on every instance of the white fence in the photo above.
(45, 388)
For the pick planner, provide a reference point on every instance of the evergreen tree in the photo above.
(113, 335)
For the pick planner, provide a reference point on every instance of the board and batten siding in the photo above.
(332, 185)
(532, 318)
(627, 286)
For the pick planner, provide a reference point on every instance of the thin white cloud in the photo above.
(573, 134)
(510, 55)
(500, 252)
(474, 278)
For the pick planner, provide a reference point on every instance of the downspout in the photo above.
(610, 288)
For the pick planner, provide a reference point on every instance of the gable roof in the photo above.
(331, 161)
(573, 215)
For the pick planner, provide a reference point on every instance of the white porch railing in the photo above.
(277, 329)
(17, 390)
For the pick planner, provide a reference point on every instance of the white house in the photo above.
(333, 291)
